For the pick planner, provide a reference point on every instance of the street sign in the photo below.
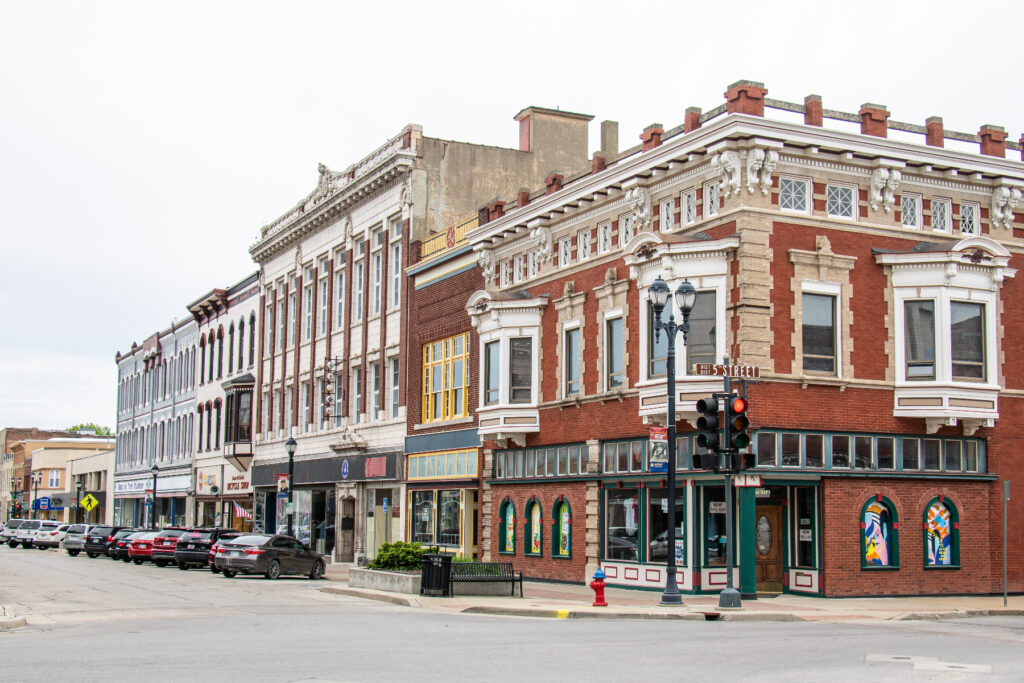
(721, 370)
(42, 503)
(89, 502)
(385, 506)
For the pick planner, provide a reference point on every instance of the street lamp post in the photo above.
(155, 469)
(78, 501)
(685, 297)
(36, 478)
(289, 446)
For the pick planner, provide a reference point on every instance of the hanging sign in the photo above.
(657, 450)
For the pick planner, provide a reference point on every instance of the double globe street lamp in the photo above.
(155, 469)
(685, 296)
(290, 446)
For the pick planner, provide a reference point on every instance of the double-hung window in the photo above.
(572, 361)
(357, 393)
(307, 324)
(394, 387)
(378, 270)
(840, 201)
(492, 372)
(794, 194)
(700, 340)
(375, 391)
(359, 284)
(445, 367)
(293, 306)
(967, 340)
(520, 370)
(919, 324)
(396, 262)
(657, 344)
(910, 210)
(615, 372)
(339, 290)
(819, 333)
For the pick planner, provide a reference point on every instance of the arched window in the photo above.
(561, 529)
(202, 357)
(507, 528)
(241, 344)
(209, 425)
(252, 339)
(941, 534)
(220, 352)
(534, 528)
(199, 442)
(210, 342)
(879, 534)
(216, 431)
(231, 348)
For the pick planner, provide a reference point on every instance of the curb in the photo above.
(958, 614)
(8, 623)
(367, 595)
(573, 614)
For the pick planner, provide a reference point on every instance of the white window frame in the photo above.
(947, 204)
(583, 245)
(378, 272)
(339, 295)
(711, 199)
(604, 237)
(627, 229)
(359, 285)
(304, 408)
(393, 370)
(357, 394)
(564, 252)
(854, 201)
(518, 267)
(293, 323)
(307, 323)
(688, 206)
(606, 317)
(915, 200)
(505, 268)
(375, 391)
(396, 272)
(667, 215)
(795, 182)
(532, 263)
(834, 290)
(570, 326)
(974, 209)
(504, 335)
(54, 479)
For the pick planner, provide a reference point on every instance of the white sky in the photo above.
(142, 145)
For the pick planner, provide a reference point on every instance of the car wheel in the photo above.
(183, 566)
(214, 570)
(273, 570)
(12, 544)
(160, 563)
(137, 560)
(41, 547)
(126, 559)
(228, 574)
(317, 572)
(93, 555)
(74, 553)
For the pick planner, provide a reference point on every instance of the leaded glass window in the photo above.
(604, 238)
(940, 215)
(690, 207)
(839, 201)
(794, 194)
(969, 219)
(710, 199)
(667, 215)
(910, 209)
(627, 229)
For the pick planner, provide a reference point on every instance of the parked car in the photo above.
(50, 534)
(164, 544)
(122, 541)
(26, 533)
(100, 539)
(272, 555)
(74, 539)
(10, 531)
(216, 547)
(194, 546)
(140, 548)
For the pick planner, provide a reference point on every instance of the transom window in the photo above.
(443, 465)
(852, 452)
(794, 194)
(445, 368)
(839, 201)
(530, 463)
(910, 209)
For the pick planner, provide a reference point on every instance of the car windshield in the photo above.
(248, 540)
(14, 524)
(30, 524)
(125, 532)
(197, 535)
(101, 530)
(76, 529)
(148, 536)
(172, 533)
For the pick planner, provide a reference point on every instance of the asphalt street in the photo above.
(95, 619)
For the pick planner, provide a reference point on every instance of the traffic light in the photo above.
(736, 414)
(707, 437)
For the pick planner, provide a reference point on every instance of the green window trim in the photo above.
(556, 530)
(503, 528)
(954, 534)
(893, 541)
(528, 510)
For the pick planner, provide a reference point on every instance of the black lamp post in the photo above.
(78, 499)
(685, 296)
(155, 469)
(289, 446)
(36, 478)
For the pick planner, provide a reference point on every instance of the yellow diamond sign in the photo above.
(89, 502)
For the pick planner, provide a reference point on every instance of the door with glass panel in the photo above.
(768, 548)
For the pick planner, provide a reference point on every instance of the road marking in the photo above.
(563, 614)
(930, 664)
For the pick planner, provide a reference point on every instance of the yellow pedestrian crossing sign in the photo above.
(89, 502)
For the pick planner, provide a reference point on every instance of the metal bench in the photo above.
(485, 572)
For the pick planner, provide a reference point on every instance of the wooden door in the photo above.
(768, 548)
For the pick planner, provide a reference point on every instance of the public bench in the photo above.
(485, 572)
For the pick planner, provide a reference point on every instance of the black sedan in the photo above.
(194, 546)
(270, 555)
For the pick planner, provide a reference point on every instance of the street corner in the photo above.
(9, 620)
(365, 594)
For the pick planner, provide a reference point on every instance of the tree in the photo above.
(86, 426)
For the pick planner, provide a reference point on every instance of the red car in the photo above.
(164, 546)
(140, 548)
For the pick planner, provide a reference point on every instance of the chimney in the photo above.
(745, 97)
(874, 120)
(610, 138)
(935, 135)
(522, 197)
(692, 119)
(598, 164)
(651, 137)
(812, 111)
(553, 182)
(495, 210)
(993, 140)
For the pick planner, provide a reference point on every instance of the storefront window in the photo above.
(657, 526)
(715, 534)
(448, 517)
(805, 504)
(623, 524)
(879, 535)
(422, 514)
(942, 534)
(534, 531)
(563, 529)
(507, 530)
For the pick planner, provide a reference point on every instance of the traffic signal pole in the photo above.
(729, 597)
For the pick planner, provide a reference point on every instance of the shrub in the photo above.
(399, 556)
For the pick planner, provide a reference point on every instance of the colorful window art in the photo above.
(878, 531)
(507, 529)
(562, 537)
(941, 534)
(533, 529)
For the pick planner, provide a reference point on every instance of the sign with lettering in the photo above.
(657, 451)
(720, 370)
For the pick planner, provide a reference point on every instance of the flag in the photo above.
(241, 512)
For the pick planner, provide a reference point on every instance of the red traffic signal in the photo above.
(736, 414)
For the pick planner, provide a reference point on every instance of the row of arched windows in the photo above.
(533, 542)
(210, 429)
(212, 355)
(165, 441)
(158, 381)
(880, 548)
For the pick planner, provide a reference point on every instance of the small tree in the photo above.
(399, 556)
(90, 426)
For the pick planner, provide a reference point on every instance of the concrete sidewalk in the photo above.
(569, 601)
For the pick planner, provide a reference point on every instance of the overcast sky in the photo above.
(142, 145)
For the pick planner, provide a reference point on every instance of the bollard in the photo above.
(598, 587)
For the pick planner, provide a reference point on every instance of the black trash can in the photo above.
(436, 576)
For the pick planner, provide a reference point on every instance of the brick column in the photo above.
(692, 119)
(874, 120)
(993, 140)
(746, 97)
(651, 137)
(935, 135)
(812, 111)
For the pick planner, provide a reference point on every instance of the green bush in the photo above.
(399, 556)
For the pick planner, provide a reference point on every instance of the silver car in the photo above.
(74, 539)
(49, 534)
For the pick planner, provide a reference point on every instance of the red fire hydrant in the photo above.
(597, 585)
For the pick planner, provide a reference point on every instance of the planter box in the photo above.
(399, 582)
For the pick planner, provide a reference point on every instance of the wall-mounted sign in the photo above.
(762, 493)
(716, 507)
